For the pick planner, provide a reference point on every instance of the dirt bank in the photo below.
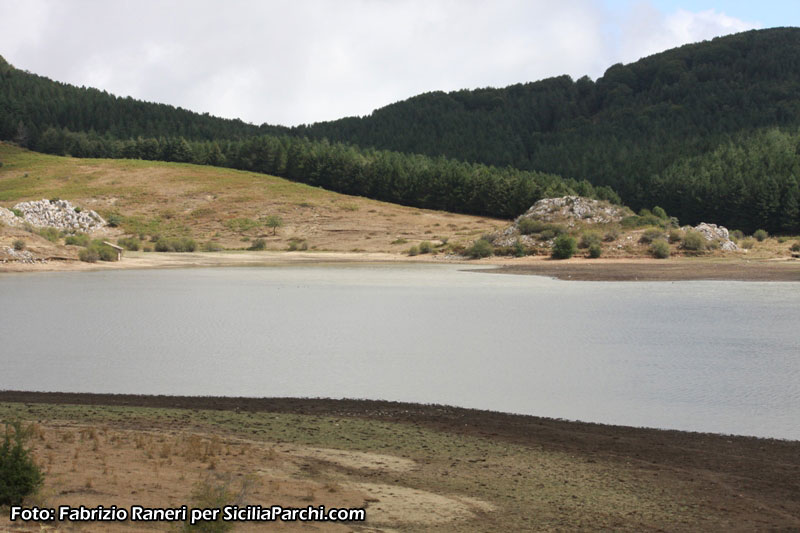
(523, 472)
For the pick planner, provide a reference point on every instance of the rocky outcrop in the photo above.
(572, 208)
(59, 214)
(712, 232)
(8, 254)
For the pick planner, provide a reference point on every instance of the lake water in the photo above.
(703, 356)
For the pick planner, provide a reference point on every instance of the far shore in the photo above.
(576, 269)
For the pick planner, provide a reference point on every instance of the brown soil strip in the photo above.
(763, 472)
(645, 270)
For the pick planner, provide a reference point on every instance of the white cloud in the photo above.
(300, 61)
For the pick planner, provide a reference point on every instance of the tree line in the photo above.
(407, 179)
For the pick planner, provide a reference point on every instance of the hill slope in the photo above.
(227, 207)
(624, 130)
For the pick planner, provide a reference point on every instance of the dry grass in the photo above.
(223, 205)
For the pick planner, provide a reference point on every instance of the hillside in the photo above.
(627, 129)
(227, 208)
(708, 131)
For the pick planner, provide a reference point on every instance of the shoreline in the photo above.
(575, 269)
(749, 481)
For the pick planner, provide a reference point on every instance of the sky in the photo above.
(301, 61)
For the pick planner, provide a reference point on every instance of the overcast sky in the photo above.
(301, 61)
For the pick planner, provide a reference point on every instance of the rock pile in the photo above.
(566, 210)
(21, 256)
(571, 208)
(713, 232)
(59, 214)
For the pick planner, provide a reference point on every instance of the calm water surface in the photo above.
(704, 356)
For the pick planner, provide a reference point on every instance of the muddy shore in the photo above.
(577, 269)
(757, 480)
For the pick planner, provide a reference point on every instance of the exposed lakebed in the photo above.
(701, 355)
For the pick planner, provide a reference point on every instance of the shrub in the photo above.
(106, 253)
(564, 247)
(16, 212)
(274, 222)
(258, 245)
(51, 234)
(694, 241)
(527, 226)
(480, 248)
(19, 245)
(760, 235)
(782, 239)
(114, 220)
(19, 475)
(748, 243)
(659, 249)
(79, 239)
(651, 235)
(241, 225)
(595, 250)
(183, 244)
(414, 250)
(425, 247)
(588, 239)
(611, 235)
(660, 213)
(211, 246)
(795, 246)
(518, 249)
(675, 235)
(713, 244)
(89, 255)
(737, 235)
(130, 243)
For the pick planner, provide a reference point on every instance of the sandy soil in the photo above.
(577, 269)
(415, 467)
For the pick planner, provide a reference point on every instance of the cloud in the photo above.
(648, 31)
(299, 61)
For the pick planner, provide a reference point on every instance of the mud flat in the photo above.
(415, 467)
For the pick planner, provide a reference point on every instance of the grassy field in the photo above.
(227, 207)
(410, 474)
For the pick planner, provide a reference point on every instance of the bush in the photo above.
(414, 250)
(79, 239)
(595, 250)
(518, 249)
(211, 246)
(651, 235)
(527, 226)
(130, 243)
(297, 244)
(660, 213)
(659, 249)
(748, 243)
(564, 247)
(480, 248)
(183, 244)
(694, 241)
(611, 235)
(114, 220)
(274, 222)
(17, 212)
(258, 245)
(760, 235)
(51, 234)
(425, 247)
(19, 475)
(795, 246)
(675, 235)
(588, 239)
(736, 235)
(89, 255)
(19, 245)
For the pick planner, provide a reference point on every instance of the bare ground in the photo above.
(415, 467)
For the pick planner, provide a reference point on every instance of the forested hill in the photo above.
(625, 129)
(708, 131)
(29, 104)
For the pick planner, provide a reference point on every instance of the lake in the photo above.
(703, 356)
